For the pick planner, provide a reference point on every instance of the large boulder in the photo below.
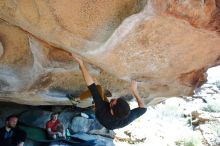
(165, 45)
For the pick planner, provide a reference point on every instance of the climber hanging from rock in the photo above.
(116, 113)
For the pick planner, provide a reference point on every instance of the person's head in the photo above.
(11, 121)
(119, 108)
(54, 116)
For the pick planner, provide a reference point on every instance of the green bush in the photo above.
(217, 84)
(212, 107)
(191, 141)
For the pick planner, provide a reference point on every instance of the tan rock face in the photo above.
(165, 45)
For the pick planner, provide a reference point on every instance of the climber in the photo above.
(116, 113)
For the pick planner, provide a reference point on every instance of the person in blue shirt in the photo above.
(10, 135)
(116, 113)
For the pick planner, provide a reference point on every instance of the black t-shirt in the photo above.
(106, 118)
(15, 136)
